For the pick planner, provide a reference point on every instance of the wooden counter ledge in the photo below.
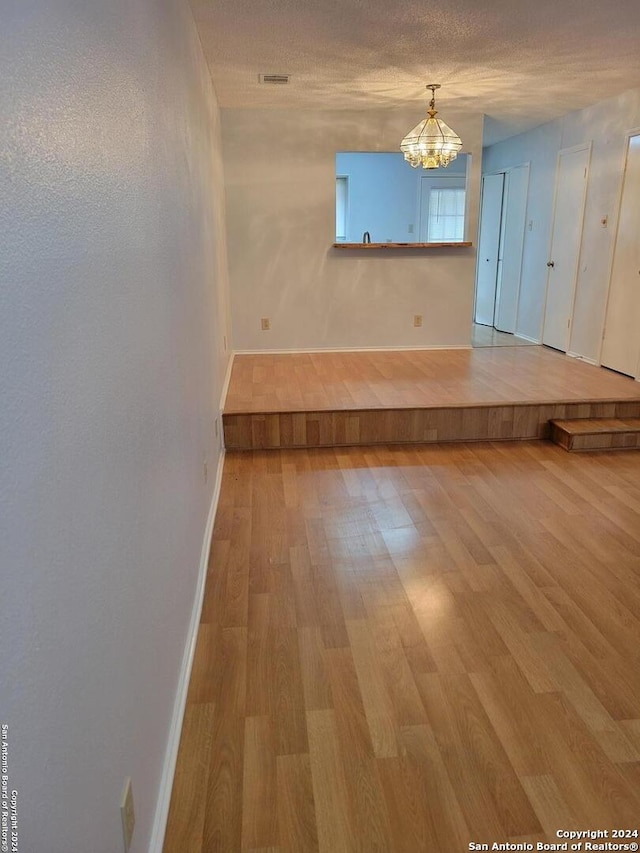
(400, 245)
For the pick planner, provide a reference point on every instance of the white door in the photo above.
(621, 344)
(562, 265)
(510, 259)
(488, 247)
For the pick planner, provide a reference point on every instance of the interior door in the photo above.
(512, 243)
(621, 344)
(568, 215)
(488, 248)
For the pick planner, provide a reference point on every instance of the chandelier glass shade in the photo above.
(431, 143)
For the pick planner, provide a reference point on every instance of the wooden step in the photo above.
(597, 433)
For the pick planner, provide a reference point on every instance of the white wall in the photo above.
(605, 125)
(384, 194)
(112, 312)
(280, 190)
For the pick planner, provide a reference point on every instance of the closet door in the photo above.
(568, 215)
(621, 343)
(488, 248)
(514, 213)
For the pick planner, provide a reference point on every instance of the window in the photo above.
(342, 198)
(446, 215)
(378, 192)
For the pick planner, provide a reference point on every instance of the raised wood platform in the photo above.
(597, 434)
(417, 396)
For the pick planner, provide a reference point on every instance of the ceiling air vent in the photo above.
(274, 79)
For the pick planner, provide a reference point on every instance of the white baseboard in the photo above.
(527, 338)
(346, 349)
(171, 755)
(583, 358)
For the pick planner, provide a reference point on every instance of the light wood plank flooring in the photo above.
(417, 378)
(488, 336)
(407, 649)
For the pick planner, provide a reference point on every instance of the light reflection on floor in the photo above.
(487, 336)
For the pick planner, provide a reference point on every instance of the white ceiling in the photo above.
(522, 62)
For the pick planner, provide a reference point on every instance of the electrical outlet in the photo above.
(127, 814)
(265, 324)
(417, 320)
(410, 229)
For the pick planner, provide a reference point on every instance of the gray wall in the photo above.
(112, 313)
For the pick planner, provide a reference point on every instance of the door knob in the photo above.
(551, 263)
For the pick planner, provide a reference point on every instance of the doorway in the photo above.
(503, 213)
(566, 239)
(621, 341)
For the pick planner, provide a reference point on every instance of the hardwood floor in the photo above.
(412, 648)
(488, 336)
(333, 381)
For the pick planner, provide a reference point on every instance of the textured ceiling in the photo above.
(521, 62)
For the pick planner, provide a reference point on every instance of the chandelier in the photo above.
(431, 143)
